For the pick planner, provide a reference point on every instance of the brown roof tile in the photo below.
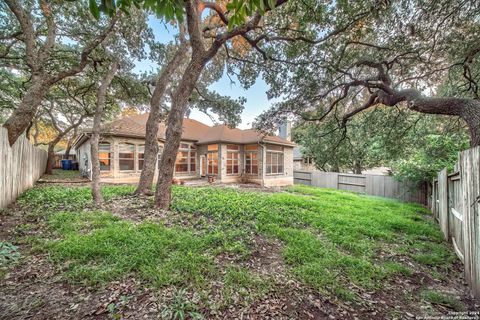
(192, 130)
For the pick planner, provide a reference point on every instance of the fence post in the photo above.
(443, 202)
(470, 180)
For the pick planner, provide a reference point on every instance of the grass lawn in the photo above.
(221, 251)
(64, 176)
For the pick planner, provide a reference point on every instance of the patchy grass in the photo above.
(332, 240)
(240, 281)
(443, 299)
(63, 175)
(48, 199)
(100, 247)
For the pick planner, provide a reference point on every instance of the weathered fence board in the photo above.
(443, 202)
(20, 166)
(382, 186)
(456, 206)
(470, 181)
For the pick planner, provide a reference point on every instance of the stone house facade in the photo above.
(231, 155)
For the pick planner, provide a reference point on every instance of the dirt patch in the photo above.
(134, 208)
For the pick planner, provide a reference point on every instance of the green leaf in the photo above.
(169, 14)
(94, 9)
(272, 4)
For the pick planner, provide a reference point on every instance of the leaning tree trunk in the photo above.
(69, 143)
(174, 129)
(97, 119)
(200, 57)
(67, 150)
(50, 157)
(467, 109)
(20, 119)
(151, 133)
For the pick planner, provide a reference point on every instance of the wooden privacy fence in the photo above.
(375, 185)
(20, 167)
(456, 207)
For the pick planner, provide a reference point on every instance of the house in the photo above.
(300, 162)
(229, 154)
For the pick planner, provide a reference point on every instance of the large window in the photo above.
(193, 161)
(233, 156)
(212, 159)
(141, 156)
(212, 163)
(126, 156)
(181, 163)
(274, 159)
(104, 156)
(251, 159)
(186, 161)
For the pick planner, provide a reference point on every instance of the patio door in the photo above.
(212, 165)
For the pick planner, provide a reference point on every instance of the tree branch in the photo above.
(85, 53)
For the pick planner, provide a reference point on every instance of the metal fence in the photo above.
(20, 166)
(375, 185)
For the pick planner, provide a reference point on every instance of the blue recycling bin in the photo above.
(66, 164)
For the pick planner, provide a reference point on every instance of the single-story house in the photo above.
(229, 154)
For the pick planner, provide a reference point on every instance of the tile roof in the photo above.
(193, 130)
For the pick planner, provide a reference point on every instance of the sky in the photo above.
(256, 96)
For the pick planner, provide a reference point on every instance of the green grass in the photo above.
(63, 175)
(330, 238)
(100, 247)
(443, 299)
(47, 199)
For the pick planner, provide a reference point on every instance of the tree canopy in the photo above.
(414, 146)
(345, 58)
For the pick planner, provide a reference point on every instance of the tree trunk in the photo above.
(151, 134)
(472, 118)
(70, 141)
(357, 169)
(20, 119)
(50, 158)
(174, 130)
(467, 109)
(200, 57)
(67, 150)
(97, 119)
